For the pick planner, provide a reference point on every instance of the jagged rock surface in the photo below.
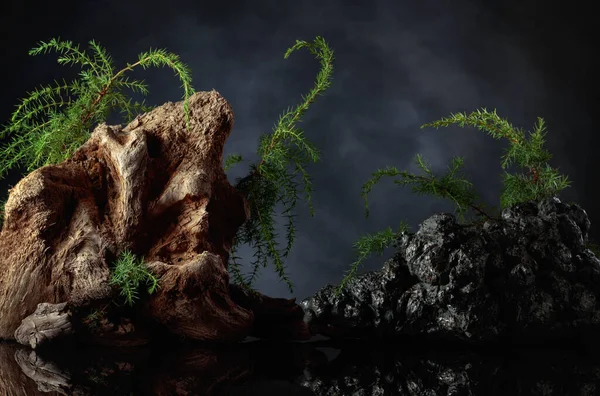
(526, 278)
(152, 187)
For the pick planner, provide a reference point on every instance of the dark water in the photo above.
(312, 368)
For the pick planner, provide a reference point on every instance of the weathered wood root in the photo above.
(48, 322)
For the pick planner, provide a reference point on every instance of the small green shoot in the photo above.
(128, 275)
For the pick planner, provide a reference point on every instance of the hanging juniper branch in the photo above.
(54, 121)
(457, 189)
(284, 154)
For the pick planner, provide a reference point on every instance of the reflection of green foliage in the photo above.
(128, 275)
(541, 182)
(94, 317)
(96, 376)
(285, 153)
(88, 101)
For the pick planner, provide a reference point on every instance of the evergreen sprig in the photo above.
(457, 189)
(54, 121)
(129, 275)
(366, 246)
(541, 182)
(284, 153)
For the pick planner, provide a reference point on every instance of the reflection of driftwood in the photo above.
(48, 376)
(13, 381)
(174, 369)
(49, 321)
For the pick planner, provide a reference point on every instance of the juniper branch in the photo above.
(459, 190)
(52, 122)
(367, 245)
(128, 275)
(542, 181)
(271, 181)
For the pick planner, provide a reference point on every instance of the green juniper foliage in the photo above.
(542, 180)
(129, 275)
(369, 244)
(85, 103)
(284, 155)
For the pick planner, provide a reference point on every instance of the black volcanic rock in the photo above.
(527, 278)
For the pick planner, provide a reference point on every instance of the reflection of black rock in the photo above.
(270, 387)
(288, 369)
(526, 278)
(369, 369)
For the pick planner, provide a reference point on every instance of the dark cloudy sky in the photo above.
(399, 64)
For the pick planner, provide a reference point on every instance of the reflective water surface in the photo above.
(321, 367)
